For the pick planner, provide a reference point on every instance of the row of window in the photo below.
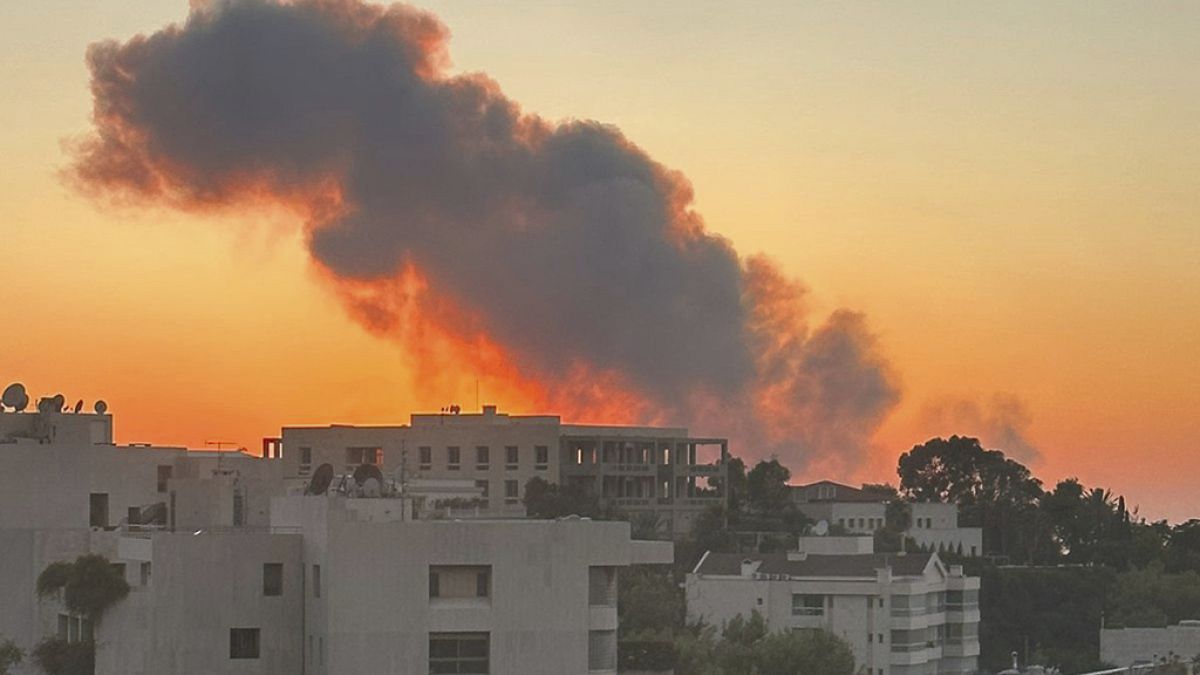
(483, 456)
(457, 581)
(460, 653)
(512, 490)
(356, 456)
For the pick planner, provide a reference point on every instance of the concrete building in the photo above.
(901, 614)
(230, 573)
(1126, 646)
(351, 586)
(934, 526)
(656, 470)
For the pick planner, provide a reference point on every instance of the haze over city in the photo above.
(991, 211)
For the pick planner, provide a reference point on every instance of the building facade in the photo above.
(901, 614)
(854, 511)
(233, 571)
(660, 471)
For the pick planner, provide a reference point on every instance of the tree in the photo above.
(10, 656)
(767, 488)
(793, 652)
(749, 647)
(59, 657)
(90, 585)
(993, 492)
(547, 501)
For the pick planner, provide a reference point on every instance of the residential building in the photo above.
(233, 570)
(1126, 646)
(654, 470)
(933, 526)
(901, 614)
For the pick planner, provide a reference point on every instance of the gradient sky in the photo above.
(1009, 191)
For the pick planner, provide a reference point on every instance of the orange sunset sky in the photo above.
(1010, 192)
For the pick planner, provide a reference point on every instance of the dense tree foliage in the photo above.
(59, 657)
(90, 584)
(10, 656)
(746, 646)
(549, 500)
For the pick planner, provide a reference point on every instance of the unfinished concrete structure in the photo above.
(659, 471)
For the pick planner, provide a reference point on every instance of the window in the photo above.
(512, 456)
(98, 509)
(243, 643)
(272, 579)
(511, 491)
(356, 457)
(482, 457)
(453, 457)
(460, 582)
(239, 508)
(602, 586)
(316, 581)
(145, 573)
(541, 456)
(602, 650)
(482, 486)
(305, 461)
(464, 653)
(808, 605)
(164, 475)
(426, 456)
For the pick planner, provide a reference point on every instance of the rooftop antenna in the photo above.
(219, 445)
(15, 397)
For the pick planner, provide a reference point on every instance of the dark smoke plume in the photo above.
(564, 245)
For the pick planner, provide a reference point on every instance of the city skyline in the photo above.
(1025, 261)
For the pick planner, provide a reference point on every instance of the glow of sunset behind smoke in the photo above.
(557, 260)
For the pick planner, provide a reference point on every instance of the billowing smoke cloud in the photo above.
(559, 258)
(1002, 423)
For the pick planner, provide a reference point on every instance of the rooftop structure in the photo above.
(657, 470)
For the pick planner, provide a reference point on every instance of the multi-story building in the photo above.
(353, 586)
(902, 614)
(1125, 646)
(233, 571)
(934, 526)
(657, 470)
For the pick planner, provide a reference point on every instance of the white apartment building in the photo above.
(351, 587)
(229, 574)
(934, 526)
(1126, 646)
(902, 614)
(659, 470)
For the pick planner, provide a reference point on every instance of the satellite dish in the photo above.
(365, 471)
(101, 407)
(46, 404)
(78, 406)
(321, 479)
(821, 528)
(15, 396)
(371, 487)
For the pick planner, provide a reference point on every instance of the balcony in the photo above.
(961, 647)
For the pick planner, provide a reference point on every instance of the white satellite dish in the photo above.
(821, 528)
